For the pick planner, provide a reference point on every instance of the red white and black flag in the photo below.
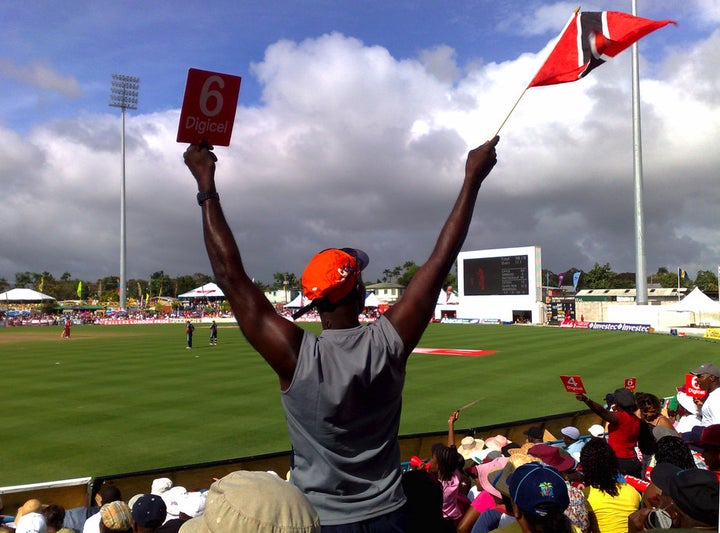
(590, 39)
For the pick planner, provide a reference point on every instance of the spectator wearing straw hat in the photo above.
(108, 493)
(254, 502)
(341, 390)
(115, 517)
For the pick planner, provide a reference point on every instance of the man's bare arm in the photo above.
(275, 338)
(410, 316)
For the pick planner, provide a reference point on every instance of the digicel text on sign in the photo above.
(209, 106)
(203, 126)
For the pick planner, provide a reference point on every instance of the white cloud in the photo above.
(44, 76)
(353, 147)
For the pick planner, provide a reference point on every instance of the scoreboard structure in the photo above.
(499, 285)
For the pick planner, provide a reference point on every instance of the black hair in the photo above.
(674, 450)
(447, 461)
(554, 521)
(54, 515)
(646, 399)
(323, 305)
(110, 493)
(600, 466)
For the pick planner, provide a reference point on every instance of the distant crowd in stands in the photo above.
(585, 481)
(191, 311)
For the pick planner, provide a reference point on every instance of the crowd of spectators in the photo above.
(574, 483)
(27, 316)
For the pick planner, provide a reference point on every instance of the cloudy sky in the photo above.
(352, 127)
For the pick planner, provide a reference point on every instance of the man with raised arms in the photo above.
(341, 391)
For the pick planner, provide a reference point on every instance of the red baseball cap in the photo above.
(331, 274)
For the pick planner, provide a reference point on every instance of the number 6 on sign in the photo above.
(573, 384)
(209, 106)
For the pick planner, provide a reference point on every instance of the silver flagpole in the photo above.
(641, 293)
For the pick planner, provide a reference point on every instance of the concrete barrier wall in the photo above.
(80, 492)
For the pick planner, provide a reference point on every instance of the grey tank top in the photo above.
(343, 414)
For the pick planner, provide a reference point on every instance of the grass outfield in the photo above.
(119, 399)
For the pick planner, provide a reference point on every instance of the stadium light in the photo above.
(124, 92)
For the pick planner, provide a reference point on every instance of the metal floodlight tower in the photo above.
(123, 94)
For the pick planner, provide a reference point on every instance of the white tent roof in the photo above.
(695, 301)
(371, 300)
(297, 302)
(24, 295)
(209, 290)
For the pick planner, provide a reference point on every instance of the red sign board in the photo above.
(692, 388)
(208, 109)
(573, 384)
(630, 383)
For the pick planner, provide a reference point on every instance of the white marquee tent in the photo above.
(695, 308)
(21, 295)
(297, 303)
(209, 290)
(697, 301)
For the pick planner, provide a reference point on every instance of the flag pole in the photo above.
(641, 292)
(497, 132)
(510, 112)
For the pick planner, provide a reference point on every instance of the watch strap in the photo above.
(202, 196)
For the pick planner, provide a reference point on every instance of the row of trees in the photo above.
(599, 277)
(603, 277)
(68, 287)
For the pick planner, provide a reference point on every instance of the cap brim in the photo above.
(662, 474)
(362, 258)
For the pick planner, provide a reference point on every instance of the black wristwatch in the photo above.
(202, 196)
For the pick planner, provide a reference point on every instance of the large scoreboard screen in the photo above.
(502, 276)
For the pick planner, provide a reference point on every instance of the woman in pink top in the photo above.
(444, 464)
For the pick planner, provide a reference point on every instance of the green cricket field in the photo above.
(117, 399)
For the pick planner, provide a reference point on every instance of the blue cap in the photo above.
(538, 489)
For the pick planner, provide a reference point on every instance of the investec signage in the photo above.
(621, 326)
